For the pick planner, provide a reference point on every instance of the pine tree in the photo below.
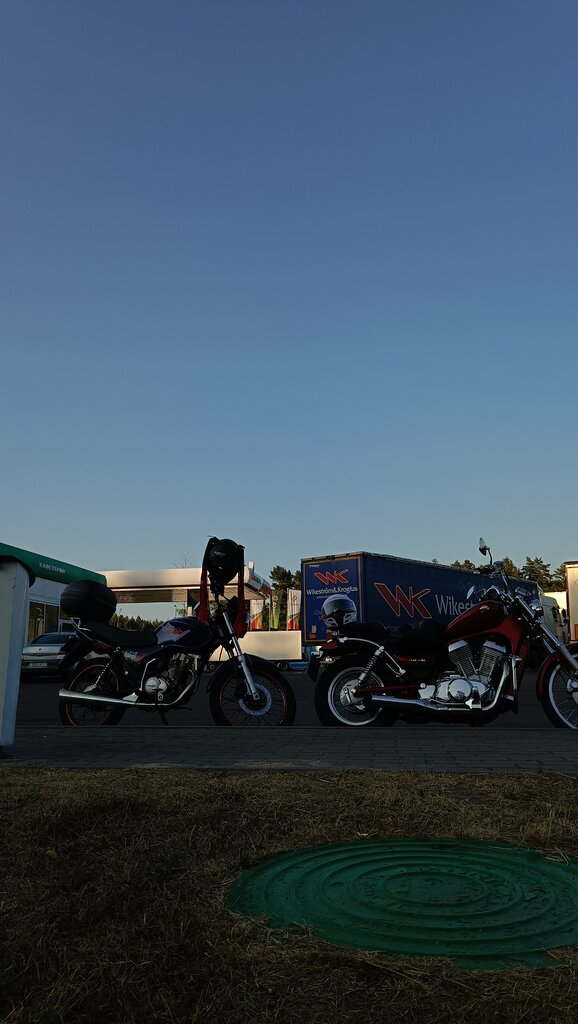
(538, 570)
(510, 569)
(559, 578)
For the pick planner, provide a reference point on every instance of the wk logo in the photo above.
(332, 577)
(410, 602)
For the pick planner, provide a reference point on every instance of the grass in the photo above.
(114, 882)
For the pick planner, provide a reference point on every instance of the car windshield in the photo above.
(48, 639)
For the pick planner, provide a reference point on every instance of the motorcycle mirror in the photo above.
(470, 593)
(483, 548)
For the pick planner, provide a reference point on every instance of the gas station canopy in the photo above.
(45, 567)
(183, 586)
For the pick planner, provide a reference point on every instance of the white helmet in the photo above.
(338, 610)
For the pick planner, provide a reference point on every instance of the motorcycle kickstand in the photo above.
(164, 718)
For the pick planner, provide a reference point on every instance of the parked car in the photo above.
(43, 655)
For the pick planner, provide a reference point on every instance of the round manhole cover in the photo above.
(485, 905)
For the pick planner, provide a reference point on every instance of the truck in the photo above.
(555, 616)
(394, 591)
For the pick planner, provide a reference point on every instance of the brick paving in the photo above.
(451, 749)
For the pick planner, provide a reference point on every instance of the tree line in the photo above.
(534, 569)
(134, 622)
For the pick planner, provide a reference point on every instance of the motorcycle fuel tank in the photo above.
(479, 619)
(185, 632)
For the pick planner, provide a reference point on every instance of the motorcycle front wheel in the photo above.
(560, 705)
(332, 697)
(88, 680)
(231, 704)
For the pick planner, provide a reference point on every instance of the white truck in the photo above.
(554, 604)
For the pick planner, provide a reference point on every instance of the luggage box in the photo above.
(89, 601)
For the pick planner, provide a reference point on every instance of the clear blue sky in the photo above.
(301, 273)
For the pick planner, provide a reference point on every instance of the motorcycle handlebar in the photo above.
(493, 593)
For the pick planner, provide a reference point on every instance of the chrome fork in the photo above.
(241, 657)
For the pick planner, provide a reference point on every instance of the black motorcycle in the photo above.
(110, 670)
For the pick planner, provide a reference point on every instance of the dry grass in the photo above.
(114, 883)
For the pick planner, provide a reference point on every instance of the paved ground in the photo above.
(451, 749)
(513, 743)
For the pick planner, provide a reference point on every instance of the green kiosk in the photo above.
(19, 569)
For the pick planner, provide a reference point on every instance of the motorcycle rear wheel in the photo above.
(330, 706)
(230, 704)
(92, 715)
(560, 706)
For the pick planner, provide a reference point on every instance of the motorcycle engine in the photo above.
(173, 675)
(156, 686)
(474, 678)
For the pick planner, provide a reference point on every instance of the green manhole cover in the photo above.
(485, 905)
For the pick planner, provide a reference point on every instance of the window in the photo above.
(41, 618)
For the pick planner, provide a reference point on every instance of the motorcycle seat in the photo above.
(376, 632)
(424, 638)
(125, 638)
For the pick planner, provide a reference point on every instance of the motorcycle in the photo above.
(112, 670)
(469, 670)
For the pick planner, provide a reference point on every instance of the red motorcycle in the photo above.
(470, 670)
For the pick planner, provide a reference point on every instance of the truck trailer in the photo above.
(394, 591)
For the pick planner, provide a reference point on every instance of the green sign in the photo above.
(48, 568)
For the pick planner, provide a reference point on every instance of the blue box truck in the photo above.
(395, 591)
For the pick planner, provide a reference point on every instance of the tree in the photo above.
(466, 564)
(559, 578)
(281, 577)
(281, 580)
(510, 569)
(537, 570)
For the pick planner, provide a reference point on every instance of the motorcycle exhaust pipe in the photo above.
(424, 704)
(428, 706)
(70, 696)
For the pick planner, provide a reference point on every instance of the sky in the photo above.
(302, 273)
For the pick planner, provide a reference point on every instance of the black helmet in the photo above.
(338, 610)
(223, 559)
